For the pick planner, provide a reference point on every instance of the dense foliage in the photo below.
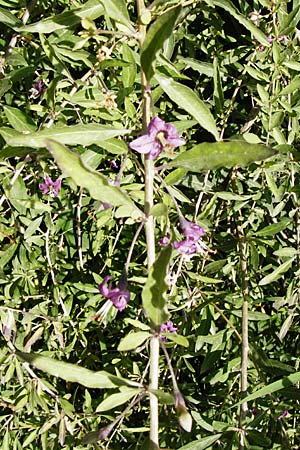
(72, 211)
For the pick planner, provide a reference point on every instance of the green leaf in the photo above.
(8, 19)
(229, 7)
(74, 373)
(154, 291)
(92, 9)
(5, 85)
(178, 339)
(207, 156)
(290, 88)
(7, 254)
(71, 135)
(129, 72)
(97, 185)
(285, 382)
(187, 99)
(201, 444)
(164, 398)
(274, 228)
(19, 120)
(201, 67)
(117, 10)
(277, 273)
(117, 399)
(175, 176)
(156, 35)
(133, 340)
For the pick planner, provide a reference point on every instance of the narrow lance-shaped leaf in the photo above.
(188, 100)
(285, 382)
(72, 135)
(8, 19)
(154, 291)
(277, 273)
(208, 156)
(97, 185)
(117, 399)
(133, 340)
(229, 7)
(117, 10)
(158, 32)
(74, 373)
(18, 119)
(91, 9)
(202, 444)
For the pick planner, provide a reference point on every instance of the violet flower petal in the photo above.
(143, 144)
(104, 290)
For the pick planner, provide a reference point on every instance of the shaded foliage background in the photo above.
(55, 251)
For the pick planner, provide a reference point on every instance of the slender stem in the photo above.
(245, 342)
(78, 227)
(132, 247)
(150, 241)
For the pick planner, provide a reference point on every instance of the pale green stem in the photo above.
(150, 241)
(245, 342)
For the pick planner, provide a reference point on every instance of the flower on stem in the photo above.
(284, 414)
(192, 242)
(119, 296)
(164, 241)
(168, 327)
(37, 90)
(160, 135)
(50, 187)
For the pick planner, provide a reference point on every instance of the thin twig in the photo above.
(78, 227)
(52, 272)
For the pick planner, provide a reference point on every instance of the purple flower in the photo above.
(37, 90)
(186, 247)
(113, 164)
(284, 414)
(38, 86)
(119, 296)
(164, 241)
(191, 230)
(159, 136)
(168, 327)
(50, 187)
(192, 242)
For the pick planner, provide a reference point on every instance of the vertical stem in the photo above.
(150, 241)
(245, 342)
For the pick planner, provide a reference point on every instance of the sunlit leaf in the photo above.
(202, 444)
(74, 373)
(117, 399)
(231, 8)
(18, 119)
(274, 228)
(133, 340)
(277, 273)
(91, 9)
(156, 35)
(178, 339)
(188, 100)
(97, 185)
(285, 382)
(8, 19)
(207, 156)
(117, 10)
(72, 135)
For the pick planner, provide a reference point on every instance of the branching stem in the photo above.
(150, 241)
